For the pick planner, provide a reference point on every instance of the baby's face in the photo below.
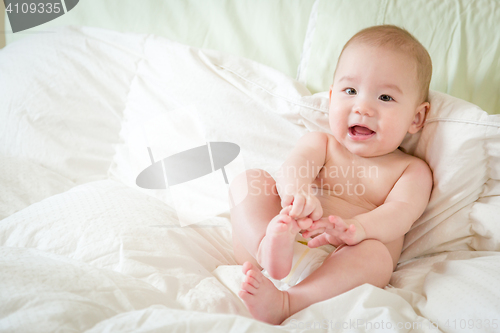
(374, 100)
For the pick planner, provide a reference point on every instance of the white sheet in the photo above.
(104, 256)
(25, 182)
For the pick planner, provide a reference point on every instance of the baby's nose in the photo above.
(364, 109)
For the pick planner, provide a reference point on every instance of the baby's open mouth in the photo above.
(358, 130)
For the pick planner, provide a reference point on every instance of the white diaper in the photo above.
(305, 261)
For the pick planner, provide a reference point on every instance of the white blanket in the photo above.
(109, 256)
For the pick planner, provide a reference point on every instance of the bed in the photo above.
(91, 99)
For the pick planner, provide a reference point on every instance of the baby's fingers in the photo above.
(286, 200)
(318, 241)
(322, 223)
(298, 206)
(338, 222)
(349, 236)
(311, 233)
(317, 213)
(351, 230)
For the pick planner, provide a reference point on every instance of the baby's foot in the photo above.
(275, 253)
(262, 299)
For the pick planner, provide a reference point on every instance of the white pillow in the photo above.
(461, 144)
(61, 98)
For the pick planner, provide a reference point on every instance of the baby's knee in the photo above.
(253, 179)
(378, 254)
(258, 175)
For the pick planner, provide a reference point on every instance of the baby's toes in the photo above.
(244, 295)
(248, 288)
(280, 223)
(253, 279)
(289, 222)
(246, 267)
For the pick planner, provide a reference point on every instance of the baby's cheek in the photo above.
(394, 135)
(335, 121)
(338, 131)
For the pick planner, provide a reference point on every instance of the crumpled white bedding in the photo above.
(103, 255)
(107, 256)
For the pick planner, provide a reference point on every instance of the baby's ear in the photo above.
(419, 119)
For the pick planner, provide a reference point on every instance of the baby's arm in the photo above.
(391, 220)
(403, 206)
(296, 175)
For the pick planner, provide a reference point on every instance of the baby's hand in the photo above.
(304, 204)
(335, 230)
(303, 223)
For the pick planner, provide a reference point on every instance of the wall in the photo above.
(2, 24)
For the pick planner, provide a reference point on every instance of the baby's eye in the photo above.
(386, 98)
(350, 91)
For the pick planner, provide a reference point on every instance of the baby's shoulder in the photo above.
(321, 140)
(408, 158)
(408, 162)
(314, 138)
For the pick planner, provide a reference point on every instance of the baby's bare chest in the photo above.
(353, 185)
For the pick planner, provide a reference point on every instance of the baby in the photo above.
(360, 193)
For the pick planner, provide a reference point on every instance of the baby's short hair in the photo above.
(399, 39)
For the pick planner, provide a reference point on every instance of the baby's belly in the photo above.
(334, 205)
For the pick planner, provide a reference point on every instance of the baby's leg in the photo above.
(366, 262)
(261, 235)
(369, 261)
